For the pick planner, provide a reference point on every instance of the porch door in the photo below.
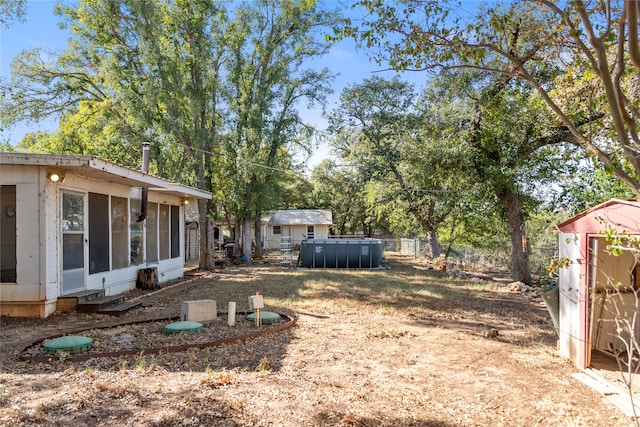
(73, 239)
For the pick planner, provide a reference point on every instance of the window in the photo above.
(175, 231)
(8, 232)
(136, 232)
(311, 231)
(277, 230)
(163, 231)
(119, 233)
(98, 233)
(151, 238)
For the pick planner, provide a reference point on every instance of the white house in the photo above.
(299, 224)
(73, 223)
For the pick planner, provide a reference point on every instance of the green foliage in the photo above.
(380, 132)
(12, 10)
(570, 53)
(555, 265)
(215, 90)
(619, 241)
(269, 44)
(341, 190)
(588, 185)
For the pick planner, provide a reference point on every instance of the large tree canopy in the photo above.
(213, 85)
(578, 55)
(269, 76)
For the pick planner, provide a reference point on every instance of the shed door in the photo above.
(72, 243)
(572, 340)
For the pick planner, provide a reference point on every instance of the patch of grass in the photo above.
(145, 364)
(402, 290)
(264, 365)
(37, 386)
(123, 366)
(116, 390)
(390, 334)
(534, 357)
(218, 379)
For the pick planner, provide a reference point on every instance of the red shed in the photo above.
(598, 288)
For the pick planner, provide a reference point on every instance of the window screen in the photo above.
(8, 233)
(119, 232)
(136, 232)
(98, 233)
(163, 231)
(175, 231)
(152, 233)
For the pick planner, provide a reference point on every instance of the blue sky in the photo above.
(40, 30)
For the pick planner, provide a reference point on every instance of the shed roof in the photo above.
(301, 217)
(97, 168)
(622, 214)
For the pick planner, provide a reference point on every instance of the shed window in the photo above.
(8, 233)
(277, 230)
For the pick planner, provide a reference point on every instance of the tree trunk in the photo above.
(246, 237)
(432, 237)
(206, 261)
(519, 248)
(258, 228)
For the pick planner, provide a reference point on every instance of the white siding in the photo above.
(39, 247)
(569, 283)
(297, 233)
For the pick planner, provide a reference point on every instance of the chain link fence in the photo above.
(466, 256)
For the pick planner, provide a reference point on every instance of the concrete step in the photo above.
(121, 308)
(98, 304)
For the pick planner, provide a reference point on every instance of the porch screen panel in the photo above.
(119, 232)
(152, 233)
(136, 232)
(98, 233)
(175, 231)
(8, 260)
(163, 231)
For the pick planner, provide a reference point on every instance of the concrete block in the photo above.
(203, 310)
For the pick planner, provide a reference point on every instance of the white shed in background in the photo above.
(72, 223)
(597, 286)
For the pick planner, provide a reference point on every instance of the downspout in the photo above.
(145, 190)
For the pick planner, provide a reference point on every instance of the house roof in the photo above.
(622, 214)
(97, 168)
(301, 217)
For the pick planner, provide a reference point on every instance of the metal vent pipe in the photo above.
(146, 148)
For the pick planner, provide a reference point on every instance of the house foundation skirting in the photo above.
(40, 309)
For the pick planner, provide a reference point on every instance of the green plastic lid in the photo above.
(265, 316)
(185, 326)
(73, 344)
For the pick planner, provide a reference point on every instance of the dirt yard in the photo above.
(407, 346)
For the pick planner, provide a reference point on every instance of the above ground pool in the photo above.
(341, 253)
